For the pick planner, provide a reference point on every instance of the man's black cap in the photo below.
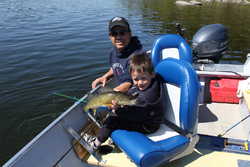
(118, 21)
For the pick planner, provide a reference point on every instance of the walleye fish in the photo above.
(105, 99)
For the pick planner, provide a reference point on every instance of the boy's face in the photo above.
(120, 37)
(142, 80)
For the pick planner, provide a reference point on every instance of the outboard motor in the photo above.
(210, 43)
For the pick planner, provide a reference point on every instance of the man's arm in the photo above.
(124, 87)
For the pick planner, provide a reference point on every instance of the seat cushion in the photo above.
(162, 133)
(144, 151)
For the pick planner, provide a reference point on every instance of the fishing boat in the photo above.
(206, 121)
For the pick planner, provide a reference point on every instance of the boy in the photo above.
(124, 45)
(146, 116)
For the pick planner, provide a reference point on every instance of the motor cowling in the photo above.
(210, 43)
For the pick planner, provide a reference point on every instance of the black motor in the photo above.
(210, 43)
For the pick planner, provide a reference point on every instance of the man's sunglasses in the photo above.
(116, 33)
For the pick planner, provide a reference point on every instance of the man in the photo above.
(124, 45)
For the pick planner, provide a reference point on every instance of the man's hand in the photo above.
(102, 80)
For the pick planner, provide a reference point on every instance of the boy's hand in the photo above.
(114, 106)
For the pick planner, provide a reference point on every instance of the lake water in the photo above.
(49, 46)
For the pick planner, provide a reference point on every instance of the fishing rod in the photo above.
(77, 99)
(69, 97)
(222, 134)
(82, 100)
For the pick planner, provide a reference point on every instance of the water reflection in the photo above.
(160, 16)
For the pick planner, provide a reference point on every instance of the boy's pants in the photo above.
(113, 123)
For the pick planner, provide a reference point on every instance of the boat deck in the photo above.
(217, 118)
(201, 157)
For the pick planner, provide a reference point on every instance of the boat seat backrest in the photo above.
(171, 45)
(179, 74)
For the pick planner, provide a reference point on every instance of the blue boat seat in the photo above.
(171, 45)
(166, 144)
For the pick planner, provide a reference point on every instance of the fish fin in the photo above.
(134, 101)
(108, 105)
(102, 106)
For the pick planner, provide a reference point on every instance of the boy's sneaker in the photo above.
(90, 140)
(86, 137)
(92, 143)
